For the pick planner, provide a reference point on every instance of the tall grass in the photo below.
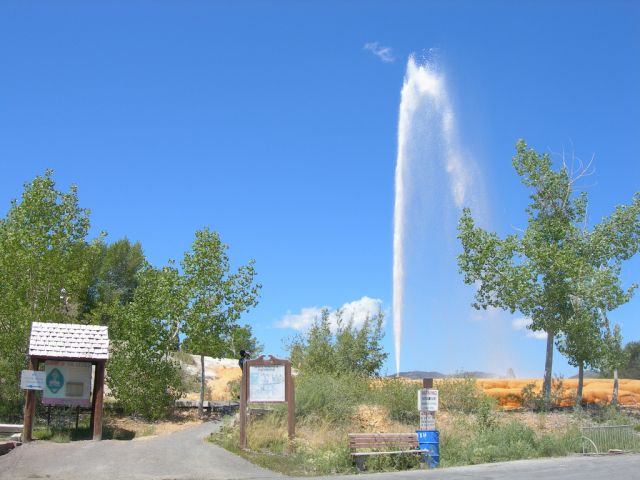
(509, 441)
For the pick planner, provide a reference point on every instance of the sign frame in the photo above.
(245, 393)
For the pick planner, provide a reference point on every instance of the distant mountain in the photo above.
(589, 374)
(419, 374)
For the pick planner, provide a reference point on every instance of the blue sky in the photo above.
(271, 123)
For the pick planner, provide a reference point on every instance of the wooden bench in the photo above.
(382, 444)
(11, 430)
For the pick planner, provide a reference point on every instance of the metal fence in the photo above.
(610, 438)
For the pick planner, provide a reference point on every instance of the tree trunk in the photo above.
(548, 369)
(614, 398)
(200, 405)
(580, 384)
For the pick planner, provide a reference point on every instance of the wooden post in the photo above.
(29, 406)
(427, 383)
(243, 406)
(98, 394)
(290, 395)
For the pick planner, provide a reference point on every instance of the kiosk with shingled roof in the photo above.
(68, 351)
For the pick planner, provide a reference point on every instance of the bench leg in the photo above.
(359, 463)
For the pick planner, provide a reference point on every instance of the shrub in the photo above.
(399, 398)
(343, 351)
(143, 382)
(464, 395)
(533, 400)
(233, 387)
(330, 398)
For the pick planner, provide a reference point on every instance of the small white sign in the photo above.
(428, 400)
(32, 380)
(427, 420)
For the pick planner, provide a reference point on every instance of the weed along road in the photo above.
(187, 455)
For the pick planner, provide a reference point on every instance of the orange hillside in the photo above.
(508, 393)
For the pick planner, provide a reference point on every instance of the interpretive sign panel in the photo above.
(67, 383)
(267, 383)
(32, 380)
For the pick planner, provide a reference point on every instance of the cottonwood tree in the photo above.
(242, 338)
(614, 355)
(541, 272)
(114, 277)
(216, 298)
(142, 374)
(43, 268)
(582, 343)
(631, 368)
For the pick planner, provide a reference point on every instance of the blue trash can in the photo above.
(430, 439)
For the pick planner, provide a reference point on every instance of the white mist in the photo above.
(426, 144)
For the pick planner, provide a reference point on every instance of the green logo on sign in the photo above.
(55, 380)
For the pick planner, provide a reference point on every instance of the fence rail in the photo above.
(609, 438)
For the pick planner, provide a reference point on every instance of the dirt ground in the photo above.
(219, 372)
(146, 429)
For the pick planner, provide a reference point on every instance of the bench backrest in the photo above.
(382, 441)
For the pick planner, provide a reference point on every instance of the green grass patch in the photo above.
(66, 435)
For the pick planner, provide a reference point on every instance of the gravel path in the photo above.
(181, 455)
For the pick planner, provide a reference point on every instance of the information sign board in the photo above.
(267, 383)
(67, 383)
(428, 400)
(32, 380)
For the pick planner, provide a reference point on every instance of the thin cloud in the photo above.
(523, 324)
(357, 311)
(383, 53)
(302, 320)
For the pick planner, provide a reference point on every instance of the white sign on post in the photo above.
(32, 380)
(428, 400)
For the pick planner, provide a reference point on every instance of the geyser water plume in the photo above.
(426, 128)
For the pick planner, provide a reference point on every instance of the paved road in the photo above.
(181, 455)
(617, 467)
(186, 455)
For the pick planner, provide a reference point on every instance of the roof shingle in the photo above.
(66, 340)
